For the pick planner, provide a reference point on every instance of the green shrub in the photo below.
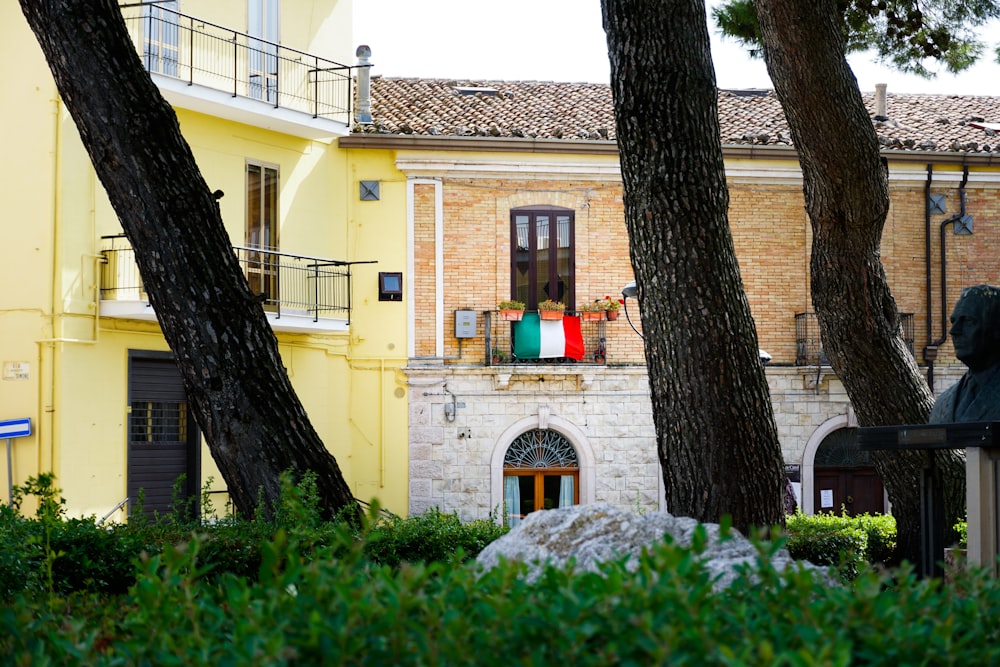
(824, 539)
(880, 530)
(432, 536)
(827, 539)
(961, 530)
(348, 611)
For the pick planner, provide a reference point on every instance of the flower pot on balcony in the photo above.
(612, 314)
(550, 314)
(511, 315)
(592, 315)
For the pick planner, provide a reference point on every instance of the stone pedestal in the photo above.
(981, 500)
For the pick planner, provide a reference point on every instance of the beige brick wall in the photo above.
(771, 234)
(450, 461)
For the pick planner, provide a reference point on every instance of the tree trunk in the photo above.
(236, 385)
(847, 199)
(715, 429)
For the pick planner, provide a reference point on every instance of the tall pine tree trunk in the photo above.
(715, 429)
(236, 385)
(847, 199)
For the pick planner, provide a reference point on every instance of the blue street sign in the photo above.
(15, 428)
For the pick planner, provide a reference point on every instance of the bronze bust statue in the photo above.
(975, 333)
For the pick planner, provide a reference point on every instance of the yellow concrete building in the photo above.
(262, 90)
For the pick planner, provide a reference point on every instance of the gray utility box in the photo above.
(465, 324)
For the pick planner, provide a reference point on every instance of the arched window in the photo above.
(540, 471)
(845, 477)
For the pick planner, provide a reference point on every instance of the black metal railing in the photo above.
(501, 345)
(285, 283)
(809, 346)
(202, 53)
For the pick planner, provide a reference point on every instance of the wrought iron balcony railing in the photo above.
(503, 346)
(809, 347)
(286, 283)
(205, 54)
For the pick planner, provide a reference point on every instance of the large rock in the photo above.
(596, 533)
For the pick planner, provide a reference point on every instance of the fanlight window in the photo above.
(840, 449)
(541, 471)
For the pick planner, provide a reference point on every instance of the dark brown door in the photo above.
(855, 490)
(162, 440)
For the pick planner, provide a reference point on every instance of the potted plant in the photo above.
(499, 357)
(511, 310)
(551, 310)
(591, 312)
(611, 307)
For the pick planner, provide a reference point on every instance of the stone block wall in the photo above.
(605, 411)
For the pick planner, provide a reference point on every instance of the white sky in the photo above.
(563, 40)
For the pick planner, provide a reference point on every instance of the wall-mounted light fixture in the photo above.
(630, 291)
(390, 286)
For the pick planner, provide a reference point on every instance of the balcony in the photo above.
(226, 73)
(504, 349)
(299, 294)
(809, 347)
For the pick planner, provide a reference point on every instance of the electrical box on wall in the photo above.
(465, 324)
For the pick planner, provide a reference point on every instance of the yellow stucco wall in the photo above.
(319, 27)
(71, 365)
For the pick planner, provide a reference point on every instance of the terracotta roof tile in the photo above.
(584, 111)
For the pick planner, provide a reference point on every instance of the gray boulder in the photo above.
(596, 533)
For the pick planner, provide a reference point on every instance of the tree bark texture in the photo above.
(715, 428)
(845, 182)
(236, 385)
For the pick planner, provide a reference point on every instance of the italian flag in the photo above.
(535, 338)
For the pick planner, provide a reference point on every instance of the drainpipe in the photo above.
(930, 352)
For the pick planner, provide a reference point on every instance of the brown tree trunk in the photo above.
(715, 429)
(847, 199)
(237, 387)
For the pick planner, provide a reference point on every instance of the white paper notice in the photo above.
(826, 498)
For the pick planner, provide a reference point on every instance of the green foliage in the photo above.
(847, 542)
(303, 591)
(961, 530)
(880, 530)
(432, 536)
(348, 611)
(57, 557)
(913, 37)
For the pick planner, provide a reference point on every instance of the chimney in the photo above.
(881, 106)
(363, 112)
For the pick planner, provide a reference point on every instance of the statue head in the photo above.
(975, 327)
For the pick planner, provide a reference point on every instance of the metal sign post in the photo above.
(13, 428)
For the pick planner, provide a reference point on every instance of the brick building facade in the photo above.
(467, 174)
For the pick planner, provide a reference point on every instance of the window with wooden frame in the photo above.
(262, 232)
(541, 470)
(542, 255)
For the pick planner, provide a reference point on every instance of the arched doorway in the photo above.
(844, 476)
(541, 470)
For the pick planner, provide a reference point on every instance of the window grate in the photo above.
(540, 448)
(158, 422)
